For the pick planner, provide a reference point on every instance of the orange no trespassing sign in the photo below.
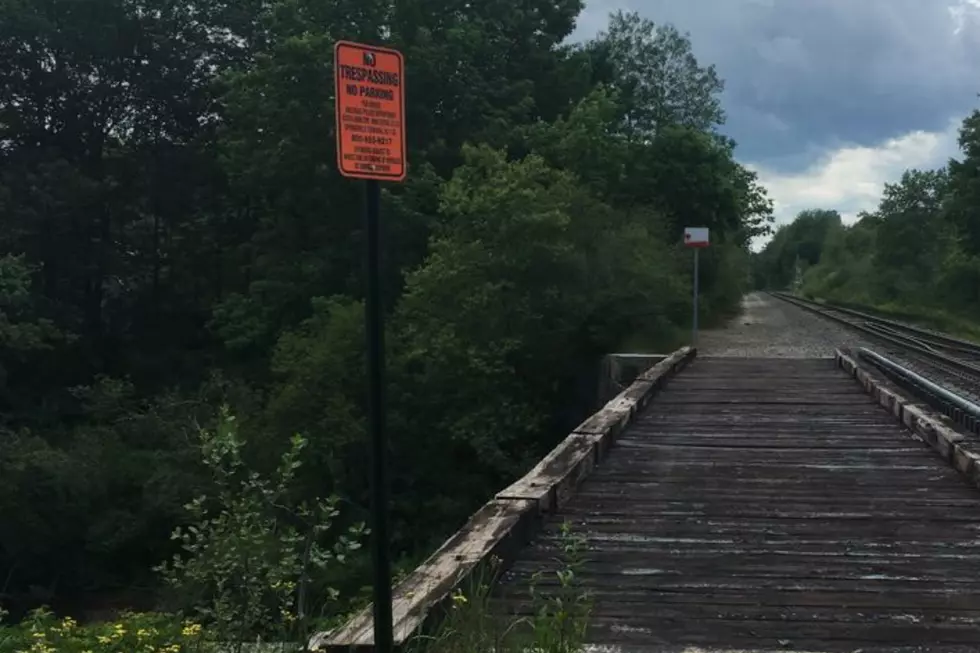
(370, 88)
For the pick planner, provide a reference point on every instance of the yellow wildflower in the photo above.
(142, 633)
(104, 640)
(38, 634)
(191, 630)
(68, 623)
(459, 598)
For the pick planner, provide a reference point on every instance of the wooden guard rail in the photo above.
(961, 452)
(502, 526)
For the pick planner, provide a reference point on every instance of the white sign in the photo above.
(695, 236)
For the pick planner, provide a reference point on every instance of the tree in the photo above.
(660, 80)
(102, 103)
(508, 241)
(801, 242)
(176, 238)
(912, 232)
(964, 181)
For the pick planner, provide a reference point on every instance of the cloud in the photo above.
(825, 71)
(965, 15)
(850, 179)
(828, 100)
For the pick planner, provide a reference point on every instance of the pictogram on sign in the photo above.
(370, 88)
(696, 236)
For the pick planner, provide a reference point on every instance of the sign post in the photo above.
(695, 238)
(370, 114)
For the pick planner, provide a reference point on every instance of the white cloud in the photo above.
(964, 13)
(850, 179)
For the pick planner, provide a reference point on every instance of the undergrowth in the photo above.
(924, 317)
(553, 618)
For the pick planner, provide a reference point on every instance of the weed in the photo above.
(476, 623)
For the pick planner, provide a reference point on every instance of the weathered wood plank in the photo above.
(507, 518)
(499, 528)
(553, 480)
(604, 425)
(759, 504)
(670, 365)
(962, 454)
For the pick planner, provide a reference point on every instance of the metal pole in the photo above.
(694, 321)
(374, 321)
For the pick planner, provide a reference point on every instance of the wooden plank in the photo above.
(507, 519)
(961, 453)
(553, 480)
(670, 365)
(497, 529)
(605, 424)
(735, 510)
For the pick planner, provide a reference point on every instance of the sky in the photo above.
(830, 99)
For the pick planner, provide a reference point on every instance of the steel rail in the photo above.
(903, 342)
(957, 402)
(941, 340)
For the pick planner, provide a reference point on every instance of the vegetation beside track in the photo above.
(915, 258)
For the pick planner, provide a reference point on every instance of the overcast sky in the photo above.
(829, 99)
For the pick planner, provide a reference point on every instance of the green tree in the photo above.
(177, 238)
(912, 234)
(659, 78)
(964, 208)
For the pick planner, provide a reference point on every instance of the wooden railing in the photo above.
(507, 522)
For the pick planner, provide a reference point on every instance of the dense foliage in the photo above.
(918, 251)
(176, 238)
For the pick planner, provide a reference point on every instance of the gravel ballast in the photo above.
(771, 328)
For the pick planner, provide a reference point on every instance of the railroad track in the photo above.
(950, 363)
(925, 338)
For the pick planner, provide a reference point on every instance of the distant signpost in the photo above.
(369, 82)
(695, 238)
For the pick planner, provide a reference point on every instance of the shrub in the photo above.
(43, 632)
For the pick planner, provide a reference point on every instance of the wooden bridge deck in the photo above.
(770, 505)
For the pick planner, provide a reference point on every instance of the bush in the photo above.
(251, 556)
(43, 632)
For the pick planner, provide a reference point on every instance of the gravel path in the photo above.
(769, 327)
